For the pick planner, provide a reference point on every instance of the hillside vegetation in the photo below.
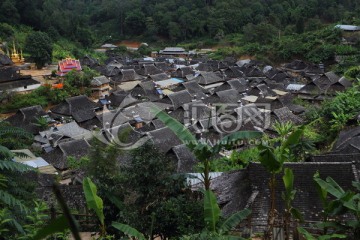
(85, 21)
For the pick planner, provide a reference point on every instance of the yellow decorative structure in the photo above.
(15, 56)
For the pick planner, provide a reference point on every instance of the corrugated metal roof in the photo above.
(348, 27)
(168, 82)
(294, 87)
(174, 49)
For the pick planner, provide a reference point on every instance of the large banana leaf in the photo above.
(60, 224)
(179, 129)
(288, 179)
(131, 232)
(309, 236)
(231, 139)
(211, 210)
(294, 138)
(269, 160)
(322, 192)
(234, 220)
(330, 186)
(92, 199)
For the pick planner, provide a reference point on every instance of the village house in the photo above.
(100, 87)
(66, 65)
(174, 52)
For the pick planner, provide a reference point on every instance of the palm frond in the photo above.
(5, 153)
(15, 131)
(11, 201)
(14, 166)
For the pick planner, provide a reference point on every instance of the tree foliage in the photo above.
(39, 46)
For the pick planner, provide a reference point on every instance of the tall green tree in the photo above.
(39, 46)
(158, 201)
(13, 192)
(273, 155)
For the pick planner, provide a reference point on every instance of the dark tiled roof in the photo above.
(180, 98)
(232, 190)
(183, 71)
(81, 108)
(239, 85)
(163, 66)
(26, 118)
(147, 90)
(72, 194)
(205, 67)
(58, 157)
(112, 119)
(285, 115)
(89, 61)
(306, 198)
(206, 78)
(311, 89)
(296, 65)
(234, 72)
(157, 123)
(5, 60)
(148, 69)
(229, 96)
(164, 139)
(265, 90)
(193, 87)
(345, 136)
(125, 75)
(185, 159)
(98, 81)
(158, 77)
(117, 97)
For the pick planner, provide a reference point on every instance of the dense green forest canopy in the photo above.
(88, 20)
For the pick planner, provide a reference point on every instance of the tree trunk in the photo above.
(272, 210)
(206, 175)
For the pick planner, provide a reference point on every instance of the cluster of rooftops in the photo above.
(253, 95)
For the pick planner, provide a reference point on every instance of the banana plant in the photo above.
(272, 157)
(342, 202)
(212, 216)
(202, 151)
(288, 196)
(131, 232)
(94, 202)
(309, 236)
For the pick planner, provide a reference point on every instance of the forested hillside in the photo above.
(177, 20)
